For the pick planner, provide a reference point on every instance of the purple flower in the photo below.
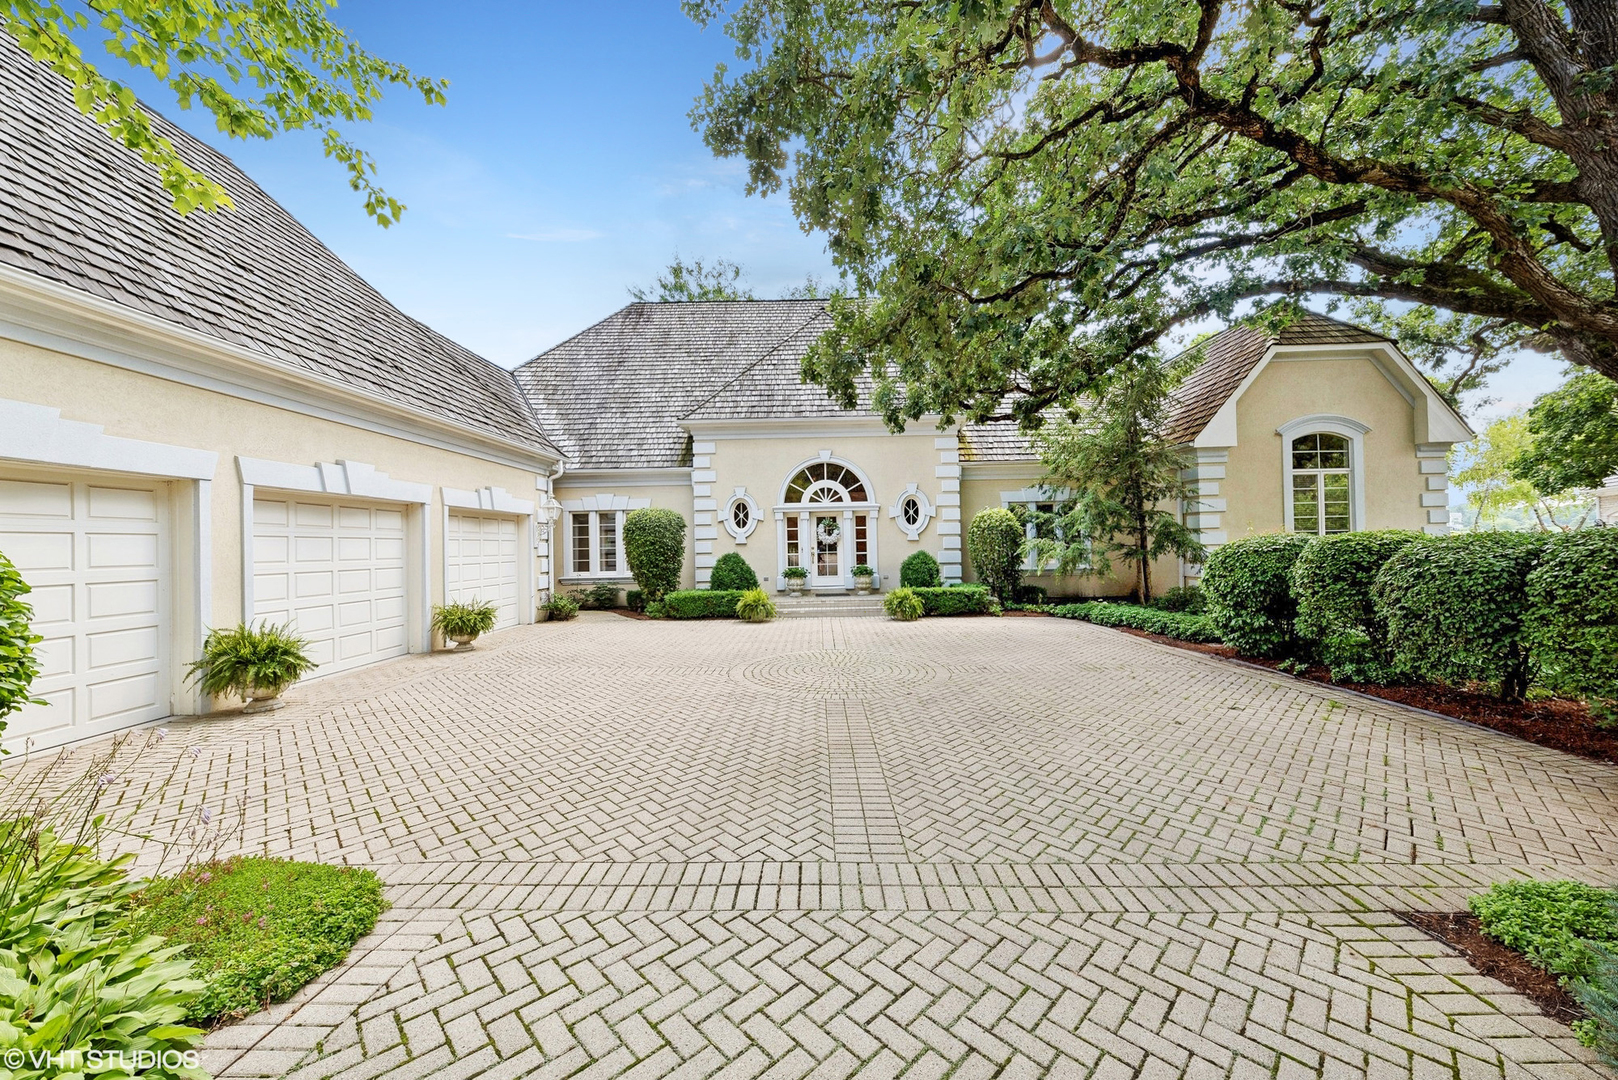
(162, 733)
(207, 815)
(195, 751)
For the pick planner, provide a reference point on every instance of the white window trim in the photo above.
(896, 511)
(741, 496)
(829, 458)
(1329, 424)
(1028, 497)
(596, 505)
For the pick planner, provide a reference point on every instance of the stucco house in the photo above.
(211, 419)
(699, 407)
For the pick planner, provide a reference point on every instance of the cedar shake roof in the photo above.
(80, 210)
(614, 395)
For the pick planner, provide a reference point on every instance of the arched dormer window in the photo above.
(826, 482)
(1325, 484)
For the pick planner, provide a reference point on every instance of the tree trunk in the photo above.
(1143, 551)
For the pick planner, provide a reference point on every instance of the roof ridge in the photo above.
(755, 362)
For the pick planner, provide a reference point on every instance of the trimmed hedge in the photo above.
(994, 541)
(732, 574)
(920, 571)
(957, 600)
(18, 667)
(1331, 584)
(701, 604)
(1248, 583)
(654, 545)
(1572, 618)
(1174, 624)
(1453, 607)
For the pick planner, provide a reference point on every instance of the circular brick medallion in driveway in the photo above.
(840, 673)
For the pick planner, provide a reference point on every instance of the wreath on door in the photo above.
(827, 530)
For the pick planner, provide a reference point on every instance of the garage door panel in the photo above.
(95, 554)
(346, 576)
(270, 512)
(389, 521)
(269, 587)
(481, 556)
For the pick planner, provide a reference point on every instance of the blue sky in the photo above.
(562, 171)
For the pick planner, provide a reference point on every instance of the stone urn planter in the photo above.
(863, 576)
(463, 641)
(264, 699)
(462, 622)
(795, 582)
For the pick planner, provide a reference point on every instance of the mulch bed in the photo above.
(1460, 931)
(1555, 722)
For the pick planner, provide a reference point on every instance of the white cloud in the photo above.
(559, 236)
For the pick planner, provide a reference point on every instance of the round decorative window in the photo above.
(910, 511)
(741, 515)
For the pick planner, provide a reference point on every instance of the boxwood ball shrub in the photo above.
(1572, 620)
(18, 667)
(654, 545)
(920, 571)
(1453, 607)
(732, 574)
(701, 604)
(994, 542)
(903, 604)
(1337, 620)
(1248, 584)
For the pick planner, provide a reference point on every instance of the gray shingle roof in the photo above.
(613, 396)
(82, 211)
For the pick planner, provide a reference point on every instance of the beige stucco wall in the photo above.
(763, 465)
(135, 405)
(676, 497)
(1254, 483)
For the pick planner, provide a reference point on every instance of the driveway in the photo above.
(972, 847)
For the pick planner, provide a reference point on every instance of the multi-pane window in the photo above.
(593, 543)
(1040, 521)
(793, 548)
(860, 539)
(741, 515)
(1321, 484)
(826, 482)
(910, 511)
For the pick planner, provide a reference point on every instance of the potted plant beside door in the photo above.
(862, 578)
(463, 622)
(254, 664)
(795, 576)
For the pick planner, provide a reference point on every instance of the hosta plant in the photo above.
(464, 619)
(755, 606)
(247, 662)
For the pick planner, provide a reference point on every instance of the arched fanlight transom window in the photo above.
(1322, 483)
(826, 482)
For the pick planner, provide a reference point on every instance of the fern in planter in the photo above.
(461, 622)
(255, 663)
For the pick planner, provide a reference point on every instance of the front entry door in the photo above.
(827, 571)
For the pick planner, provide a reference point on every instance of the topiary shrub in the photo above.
(994, 542)
(1249, 591)
(973, 599)
(18, 668)
(903, 604)
(755, 605)
(1572, 619)
(700, 604)
(732, 574)
(920, 571)
(1331, 583)
(1187, 599)
(654, 545)
(1453, 607)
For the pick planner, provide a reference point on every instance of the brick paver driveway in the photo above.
(848, 846)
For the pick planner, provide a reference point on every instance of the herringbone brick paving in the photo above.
(840, 847)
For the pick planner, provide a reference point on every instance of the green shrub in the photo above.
(1032, 595)
(1572, 619)
(1175, 624)
(656, 610)
(73, 977)
(1189, 599)
(464, 619)
(920, 571)
(1331, 583)
(654, 545)
(1453, 608)
(1249, 591)
(257, 928)
(903, 604)
(755, 605)
(635, 600)
(994, 542)
(974, 599)
(18, 667)
(602, 597)
(1553, 923)
(701, 604)
(244, 661)
(1598, 993)
(562, 608)
(732, 574)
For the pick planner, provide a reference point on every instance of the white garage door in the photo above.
(481, 563)
(336, 572)
(95, 553)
